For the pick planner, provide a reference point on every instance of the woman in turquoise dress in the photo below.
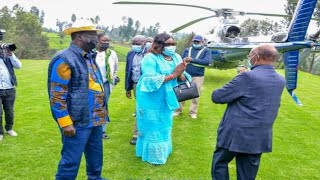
(162, 69)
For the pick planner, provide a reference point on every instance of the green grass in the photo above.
(35, 153)
(55, 42)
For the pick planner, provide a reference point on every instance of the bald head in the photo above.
(150, 39)
(266, 52)
(138, 40)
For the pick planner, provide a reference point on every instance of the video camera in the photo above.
(7, 46)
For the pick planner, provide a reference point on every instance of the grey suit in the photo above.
(253, 99)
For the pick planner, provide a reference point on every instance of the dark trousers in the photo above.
(87, 141)
(7, 98)
(106, 87)
(247, 164)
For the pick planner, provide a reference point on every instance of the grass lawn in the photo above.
(35, 153)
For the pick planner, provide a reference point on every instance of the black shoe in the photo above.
(105, 136)
(133, 141)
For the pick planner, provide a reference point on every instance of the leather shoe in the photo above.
(133, 141)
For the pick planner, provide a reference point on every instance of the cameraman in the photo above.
(8, 81)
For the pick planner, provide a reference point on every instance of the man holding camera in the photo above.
(8, 82)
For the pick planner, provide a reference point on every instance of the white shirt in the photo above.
(5, 79)
(113, 64)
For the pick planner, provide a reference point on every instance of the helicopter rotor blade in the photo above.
(190, 23)
(267, 14)
(273, 15)
(159, 3)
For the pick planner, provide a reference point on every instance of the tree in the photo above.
(252, 27)
(73, 18)
(137, 26)
(61, 25)
(42, 17)
(97, 19)
(24, 29)
(35, 11)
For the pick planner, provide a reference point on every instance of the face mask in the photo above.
(104, 46)
(250, 64)
(90, 43)
(169, 50)
(197, 46)
(137, 48)
(148, 45)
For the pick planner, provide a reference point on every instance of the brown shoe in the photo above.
(133, 141)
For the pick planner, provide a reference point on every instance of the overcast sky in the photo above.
(169, 17)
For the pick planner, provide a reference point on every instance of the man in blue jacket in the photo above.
(78, 103)
(133, 72)
(201, 57)
(245, 131)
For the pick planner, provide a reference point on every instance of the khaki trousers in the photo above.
(194, 105)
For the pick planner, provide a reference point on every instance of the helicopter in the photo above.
(230, 49)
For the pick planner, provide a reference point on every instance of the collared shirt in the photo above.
(101, 61)
(5, 80)
(136, 67)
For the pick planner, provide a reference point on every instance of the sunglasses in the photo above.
(170, 44)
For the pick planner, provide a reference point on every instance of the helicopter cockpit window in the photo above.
(232, 32)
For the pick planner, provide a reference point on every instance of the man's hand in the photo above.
(187, 59)
(128, 94)
(69, 131)
(242, 69)
(9, 53)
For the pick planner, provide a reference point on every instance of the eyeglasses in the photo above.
(170, 44)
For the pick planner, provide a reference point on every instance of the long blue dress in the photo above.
(156, 103)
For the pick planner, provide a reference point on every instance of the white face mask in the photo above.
(148, 45)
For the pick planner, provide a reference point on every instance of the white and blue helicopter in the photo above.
(229, 48)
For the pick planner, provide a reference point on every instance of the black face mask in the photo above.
(90, 44)
(104, 46)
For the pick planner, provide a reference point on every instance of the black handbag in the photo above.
(186, 91)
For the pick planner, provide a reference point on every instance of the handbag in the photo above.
(186, 91)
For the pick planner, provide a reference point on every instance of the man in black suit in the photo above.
(245, 131)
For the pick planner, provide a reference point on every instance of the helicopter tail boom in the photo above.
(297, 32)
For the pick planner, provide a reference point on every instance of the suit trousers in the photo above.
(247, 164)
(7, 98)
(87, 141)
